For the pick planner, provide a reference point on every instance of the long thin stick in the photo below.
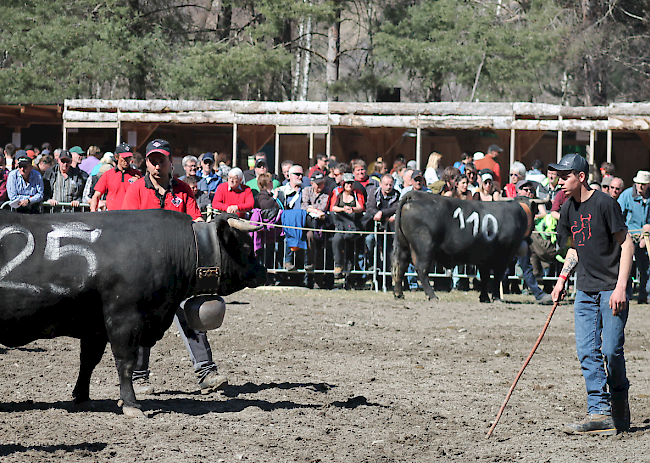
(514, 383)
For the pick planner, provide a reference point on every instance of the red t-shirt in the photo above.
(179, 199)
(242, 198)
(114, 183)
(488, 163)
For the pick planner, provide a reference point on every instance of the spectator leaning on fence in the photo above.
(635, 205)
(63, 183)
(348, 207)
(233, 196)
(115, 181)
(25, 185)
(315, 201)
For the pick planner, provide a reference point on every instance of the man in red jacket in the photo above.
(234, 196)
(114, 183)
(158, 190)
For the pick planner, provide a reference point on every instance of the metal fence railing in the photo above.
(46, 208)
(367, 257)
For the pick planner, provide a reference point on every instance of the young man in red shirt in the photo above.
(158, 190)
(114, 183)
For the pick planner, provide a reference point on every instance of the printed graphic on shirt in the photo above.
(176, 201)
(132, 179)
(581, 231)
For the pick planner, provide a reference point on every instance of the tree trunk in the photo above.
(333, 49)
(594, 60)
(306, 62)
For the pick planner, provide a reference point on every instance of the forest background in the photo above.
(575, 52)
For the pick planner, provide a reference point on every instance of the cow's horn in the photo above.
(243, 226)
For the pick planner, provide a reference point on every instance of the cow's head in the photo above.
(227, 245)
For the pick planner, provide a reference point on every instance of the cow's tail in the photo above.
(399, 241)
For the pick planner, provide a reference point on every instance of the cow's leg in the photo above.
(422, 268)
(485, 281)
(400, 264)
(496, 287)
(125, 341)
(92, 350)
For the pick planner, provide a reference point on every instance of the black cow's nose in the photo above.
(258, 277)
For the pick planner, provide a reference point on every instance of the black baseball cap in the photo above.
(24, 159)
(207, 157)
(65, 154)
(124, 150)
(571, 162)
(318, 177)
(416, 173)
(496, 148)
(159, 146)
(261, 163)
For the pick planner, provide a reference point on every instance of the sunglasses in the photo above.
(297, 174)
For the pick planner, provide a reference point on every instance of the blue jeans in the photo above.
(529, 276)
(599, 342)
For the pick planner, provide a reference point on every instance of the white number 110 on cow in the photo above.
(489, 224)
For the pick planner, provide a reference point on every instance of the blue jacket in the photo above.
(636, 209)
(294, 218)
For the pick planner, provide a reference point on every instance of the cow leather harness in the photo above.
(208, 258)
(529, 216)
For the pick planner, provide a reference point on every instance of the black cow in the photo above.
(114, 277)
(432, 228)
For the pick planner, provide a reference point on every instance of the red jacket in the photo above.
(114, 183)
(179, 198)
(242, 198)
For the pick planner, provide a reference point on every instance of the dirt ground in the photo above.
(334, 376)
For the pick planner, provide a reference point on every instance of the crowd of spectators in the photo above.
(347, 197)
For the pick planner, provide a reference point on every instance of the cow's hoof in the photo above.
(399, 296)
(485, 299)
(132, 412)
(433, 298)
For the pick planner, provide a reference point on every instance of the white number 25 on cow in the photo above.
(54, 251)
(489, 224)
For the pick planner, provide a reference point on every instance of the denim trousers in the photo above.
(196, 343)
(599, 342)
(529, 276)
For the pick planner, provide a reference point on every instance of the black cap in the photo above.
(159, 146)
(207, 157)
(65, 154)
(318, 177)
(123, 148)
(261, 163)
(416, 173)
(24, 158)
(571, 162)
(496, 148)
